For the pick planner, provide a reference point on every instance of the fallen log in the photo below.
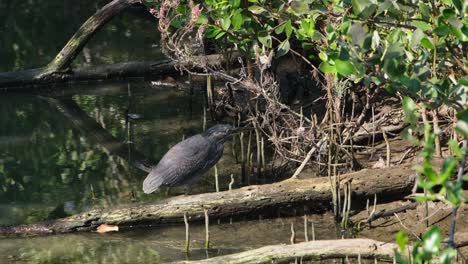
(313, 250)
(28, 78)
(389, 184)
(317, 250)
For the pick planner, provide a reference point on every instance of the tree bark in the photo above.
(267, 200)
(312, 250)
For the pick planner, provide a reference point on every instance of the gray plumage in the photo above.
(189, 159)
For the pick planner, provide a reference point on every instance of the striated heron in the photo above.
(189, 159)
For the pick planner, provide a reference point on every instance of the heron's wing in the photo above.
(185, 160)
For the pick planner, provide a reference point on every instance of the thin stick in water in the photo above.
(306, 232)
(187, 234)
(216, 178)
(293, 234)
(313, 231)
(388, 148)
(207, 229)
(231, 182)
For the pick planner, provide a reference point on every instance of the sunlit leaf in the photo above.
(344, 68)
(283, 48)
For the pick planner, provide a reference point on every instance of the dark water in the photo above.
(32, 32)
(57, 157)
(67, 153)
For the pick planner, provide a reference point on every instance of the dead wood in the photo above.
(312, 250)
(388, 184)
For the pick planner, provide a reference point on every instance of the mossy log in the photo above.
(313, 250)
(267, 200)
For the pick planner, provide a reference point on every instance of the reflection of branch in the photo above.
(96, 133)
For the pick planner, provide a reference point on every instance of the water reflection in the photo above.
(62, 155)
(33, 32)
(160, 245)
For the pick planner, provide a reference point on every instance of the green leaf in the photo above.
(458, 4)
(288, 28)
(325, 67)
(220, 35)
(202, 20)
(265, 38)
(410, 109)
(448, 13)
(427, 43)
(300, 7)
(344, 68)
(421, 25)
(235, 3)
(237, 20)
(323, 56)
(447, 255)
(402, 240)
(424, 9)
(462, 128)
(225, 22)
(455, 149)
(442, 30)
(257, 9)
(431, 240)
(464, 80)
(212, 32)
(280, 28)
(462, 124)
(283, 48)
(363, 8)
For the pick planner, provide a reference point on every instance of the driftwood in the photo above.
(389, 184)
(313, 250)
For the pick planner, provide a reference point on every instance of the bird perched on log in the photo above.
(189, 159)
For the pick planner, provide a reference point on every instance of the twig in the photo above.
(388, 148)
(293, 234)
(207, 229)
(216, 178)
(307, 158)
(231, 182)
(187, 234)
(313, 232)
(306, 231)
